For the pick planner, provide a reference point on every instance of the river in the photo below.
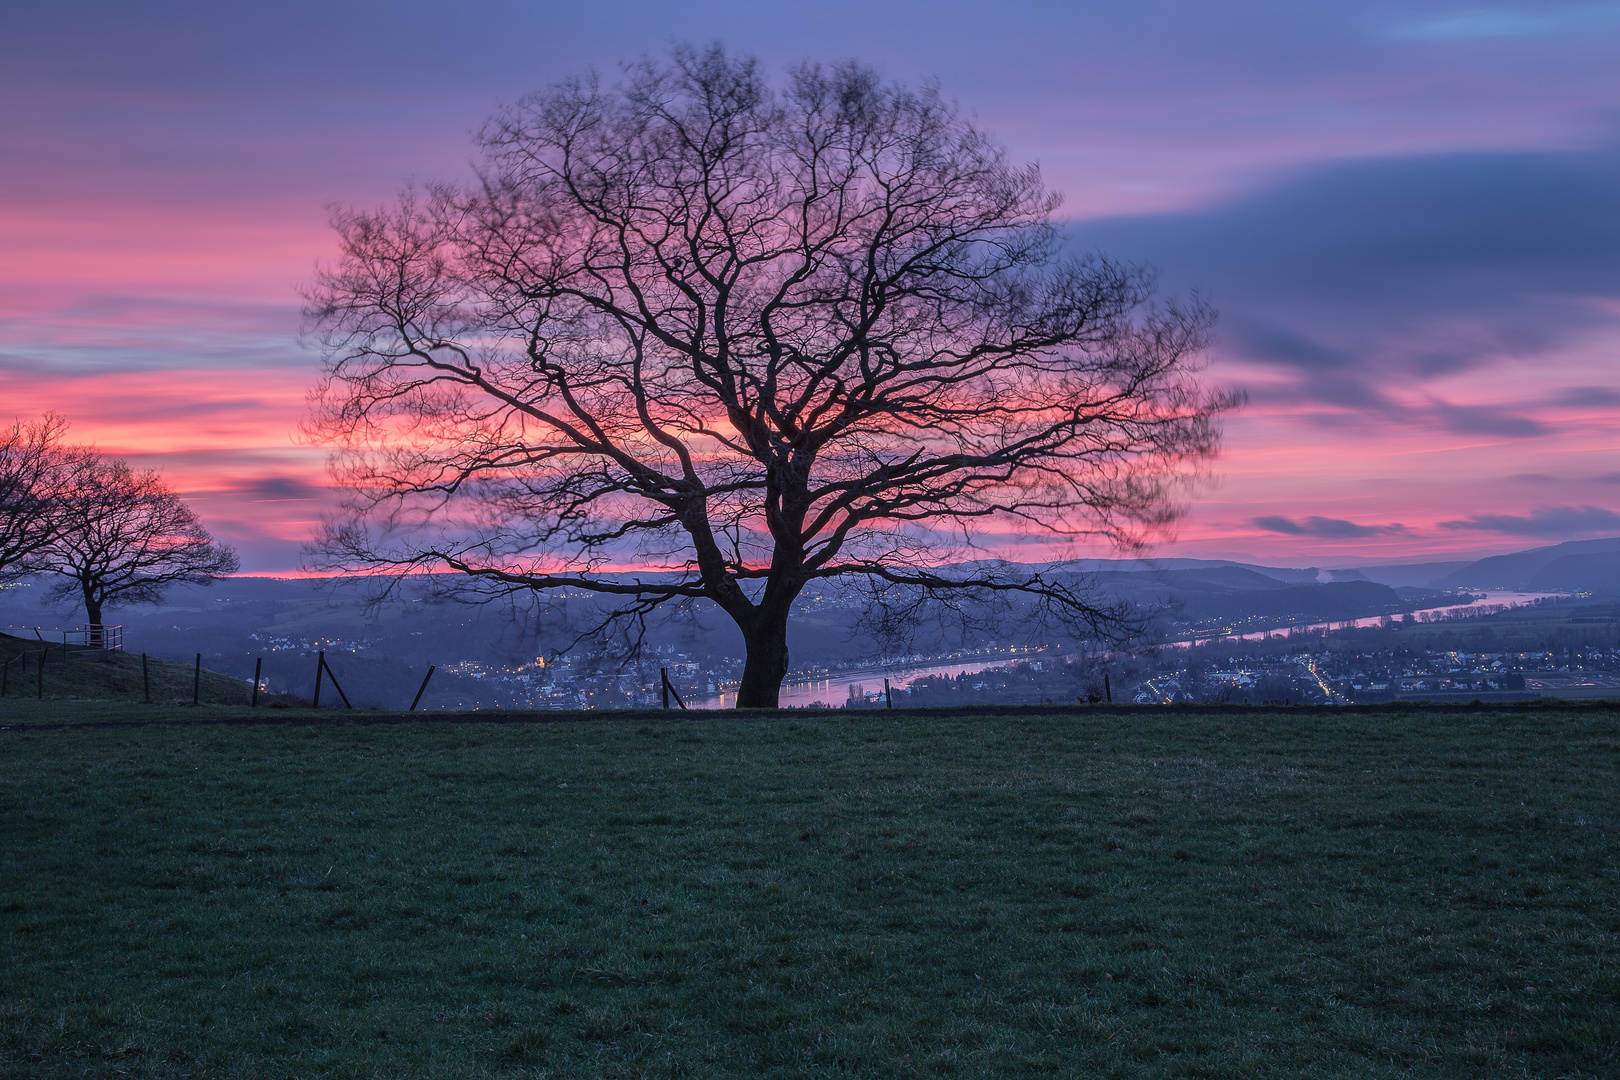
(834, 689)
(1496, 599)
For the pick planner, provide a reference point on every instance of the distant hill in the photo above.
(1576, 566)
(1397, 575)
(1291, 575)
(1220, 579)
(1410, 575)
(1598, 573)
(1233, 593)
(1330, 601)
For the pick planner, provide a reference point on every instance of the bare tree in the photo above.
(126, 537)
(37, 472)
(746, 338)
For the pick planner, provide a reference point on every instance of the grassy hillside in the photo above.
(1130, 894)
(115, 676)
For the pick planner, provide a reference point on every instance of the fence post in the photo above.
(146, 680)
(258, 667)
(663, 685)
(887, 696)
(330, 674)
(1108, 690)
(42, 653)
(196, 682)
(669, 688)
(421, 689)
(320, 667)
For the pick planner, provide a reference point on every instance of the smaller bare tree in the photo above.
(125, 537)
(37, 473)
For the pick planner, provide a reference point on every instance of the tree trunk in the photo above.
(767, 662)
(92, 608)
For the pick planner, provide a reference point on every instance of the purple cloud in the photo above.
(1487, 420)
(1359, 276)
(1324, 527)
(278, 489)
(1507, 23)
(1589, 396)
(1543, 521)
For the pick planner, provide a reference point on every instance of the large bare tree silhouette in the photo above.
(695, 337)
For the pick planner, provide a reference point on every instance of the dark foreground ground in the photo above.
(1135, 894)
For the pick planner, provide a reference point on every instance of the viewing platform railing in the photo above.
(92, 636)
(95, 636)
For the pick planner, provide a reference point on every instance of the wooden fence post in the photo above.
(330, 674)
(669, 688)
(423, 688)
(258, 667)
(320, 668)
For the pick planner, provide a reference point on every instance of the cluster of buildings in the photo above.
(1346, 677)
(275, 643)
(582, 682)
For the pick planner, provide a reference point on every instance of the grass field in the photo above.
(1139, 893)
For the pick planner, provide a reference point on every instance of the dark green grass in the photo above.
(1153, 895)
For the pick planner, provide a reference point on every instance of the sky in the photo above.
(1408, 216)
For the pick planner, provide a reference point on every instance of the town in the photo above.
(1579, 657)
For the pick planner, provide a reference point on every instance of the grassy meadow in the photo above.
(1128, 893)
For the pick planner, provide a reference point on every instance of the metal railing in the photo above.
(95, 636)
(102, 637)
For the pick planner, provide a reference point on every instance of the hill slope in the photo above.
(114, 676)
(1577, 565)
